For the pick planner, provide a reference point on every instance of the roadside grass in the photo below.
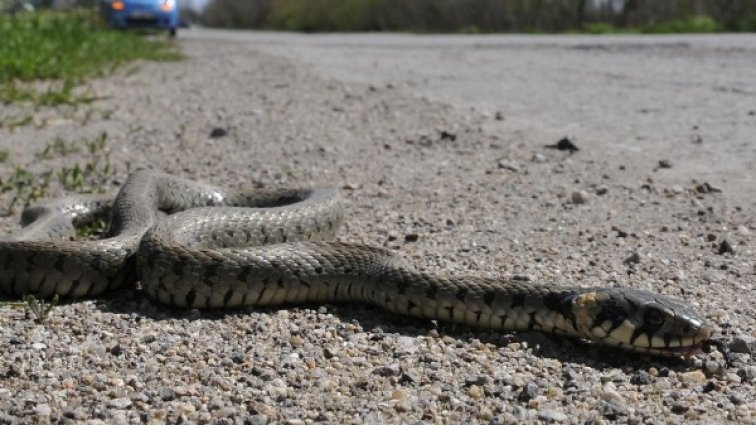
(90, 176)
(690, 25)
(64, 48)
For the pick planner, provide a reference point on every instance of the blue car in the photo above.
(159, 14)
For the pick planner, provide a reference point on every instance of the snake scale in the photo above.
(219, 248)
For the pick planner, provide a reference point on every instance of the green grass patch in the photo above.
(692, 24)
(603, 28)
(17, 122)
(66, 48)
(25, 186)
(90, 176)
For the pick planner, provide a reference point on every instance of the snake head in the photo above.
(639, 321)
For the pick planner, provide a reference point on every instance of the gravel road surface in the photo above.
(439, 146)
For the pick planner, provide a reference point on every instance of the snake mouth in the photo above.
(694, 345)
(685, 352)
(666, 345)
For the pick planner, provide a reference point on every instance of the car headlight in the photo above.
(168, 5)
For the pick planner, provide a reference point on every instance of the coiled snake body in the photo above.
(222, 248)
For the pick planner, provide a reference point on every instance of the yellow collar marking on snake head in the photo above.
(581, 307)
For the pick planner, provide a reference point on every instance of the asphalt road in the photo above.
(629, 100)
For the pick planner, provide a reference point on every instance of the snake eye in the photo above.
(653, 317)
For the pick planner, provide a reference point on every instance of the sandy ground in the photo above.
(624, 98)
(454, 189)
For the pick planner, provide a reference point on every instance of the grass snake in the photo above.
(218, 248)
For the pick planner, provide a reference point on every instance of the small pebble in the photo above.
(538, 158)
(446, 135)
(641, 378)
(528, 392)
(634, 258)
(411, 237)
(508, 165)
(611, 409)
(564, 144)
(695, 376)
(743, 344)
(218, 132)
(747, 374)
(579, 197)
(120, 403)
(238, 357)
(256, 420)
(167, 394)
(710, 386)
(713, 366)
(611, 395)
(408, 378)
(520, 413)
(570, 375)
(707, 188)
(477, 380)
(475, 392)
(42, 409)
(725, 248)
(406, 345)
(484, 413)
(399, 395)
(388, 370)
(552, 416)
(737, 399)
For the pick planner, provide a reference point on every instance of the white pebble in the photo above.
(609, 394)
(406, 345)
(43, 409)
(538, 158)
(120, 403)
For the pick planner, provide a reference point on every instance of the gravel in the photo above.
(420, 177)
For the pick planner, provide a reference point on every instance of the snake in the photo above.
(194, 245)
